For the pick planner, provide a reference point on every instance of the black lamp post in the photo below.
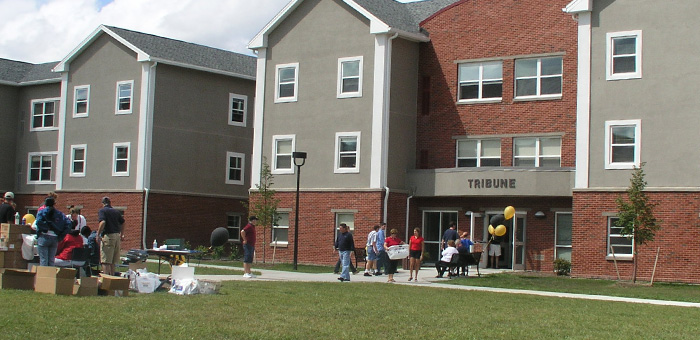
(299, 160)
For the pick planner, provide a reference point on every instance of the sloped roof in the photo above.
(14, 72)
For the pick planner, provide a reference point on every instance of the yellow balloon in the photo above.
(509, 212)
(28, 219)
(500, 230)
(491, 230)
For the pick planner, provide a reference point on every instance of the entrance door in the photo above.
(519, 242)
(513, 244)
(434, 224)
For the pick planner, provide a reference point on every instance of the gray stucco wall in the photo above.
(8, 136)
(191, 134)
(315, 35)
(665, 98)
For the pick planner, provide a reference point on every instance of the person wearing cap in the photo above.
(7, 210)
(52, 225)
(110, 235)
(52, 195)
(248, 239)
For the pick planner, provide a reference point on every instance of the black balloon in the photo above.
(219, 236)
(497, 220)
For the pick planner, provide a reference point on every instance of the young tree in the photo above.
(262, 202)
(636, 215)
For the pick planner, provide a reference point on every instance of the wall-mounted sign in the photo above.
(495, 183)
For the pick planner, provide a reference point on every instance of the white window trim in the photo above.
(356, 94)
(337, 168)
(231, 97)
(54, 156)
(538, 156)
(539, 81)
(272, 231)
(481, 85)
(637, 123)
(228, 167)
(274, 169)
(556, 232)
(72, 160)
(479, 157)
(240, 225)
(114, 159)
(55, 115)
(609, 55)
(75, 101)
(609, 255)
(131, 98)
(277, 83)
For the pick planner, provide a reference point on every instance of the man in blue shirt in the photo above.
(110, 235)
(382, 258)
(450, 234)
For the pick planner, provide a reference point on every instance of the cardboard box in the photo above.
(16, 279)
(7, 229)
(12, 258)
(113, 285)
(53, 280)
(87, 286)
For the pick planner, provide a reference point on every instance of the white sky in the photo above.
(39, 31)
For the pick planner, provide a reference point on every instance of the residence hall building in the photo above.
(418, 114)
(161, 126)
(638, 105)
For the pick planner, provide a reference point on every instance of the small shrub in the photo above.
(201, 252)
(562, 267)
(217, 252)
(235, 252)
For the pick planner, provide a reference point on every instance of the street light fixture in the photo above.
(299, 160)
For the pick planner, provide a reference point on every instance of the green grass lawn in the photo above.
(295, 310)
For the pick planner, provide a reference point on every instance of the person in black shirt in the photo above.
(7, 209)
(345, 245)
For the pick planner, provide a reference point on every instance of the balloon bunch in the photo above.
(498, 221)
(28, 219)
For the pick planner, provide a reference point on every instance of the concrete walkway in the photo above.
(426, 278)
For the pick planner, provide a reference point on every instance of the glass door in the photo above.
(435, 223)
(519, 242)
(512, 243)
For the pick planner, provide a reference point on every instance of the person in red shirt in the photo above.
(65, 248)
(415, 257)
(392, 240)
(248, 239)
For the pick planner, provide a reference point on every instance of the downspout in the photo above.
(386, 204)
(145, 214)
(385, 156)
(408, 206)
(147, 183)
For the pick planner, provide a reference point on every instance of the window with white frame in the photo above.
(125, 94)
(238, 105)
(233, 225)
(78, 155)
(473, 153)
(539, 152)
(480, 81)
(280, 229)
(235, 163)
(286, 83)
(622, 245)
(81, 101)
(562, 235)
(120, 157)
(538, 78)
(44, 114)
(623, 55)
(350, 77)
(344, 217)
(347, 152)
(41, 168)
(282, 148)
(622, 144)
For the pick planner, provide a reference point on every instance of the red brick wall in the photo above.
(487, 29)
(677, 238)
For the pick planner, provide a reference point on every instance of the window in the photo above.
(623, 58)
(125, 93)
(238, 106)
(542, 152)
(44, 114)
(477, 153)
(622, 138)
(280, 229)
(78, 154)
(347, 155)
(282, 148)
(623, 246)
(233, 224)
(345, 217)
(234, 168)
(286, 83)
(540, 77)
(41, 168)
(350, 77)
(81, 105)
(480, 81)
(120, 158)
(562, 238)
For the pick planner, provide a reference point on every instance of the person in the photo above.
(52, 225)
(416, 247)
(345, 245)
(336, 269)
(85, 233)
(382, 257)
(371, 264)
(92, 242)
(7, 209)
(464, 250)
(64, 252)
(390, 241)
(248, 239)
(447, 254)
(78, 219)
(52, 195)
(449, 234)
(495, 251)
(110, 235)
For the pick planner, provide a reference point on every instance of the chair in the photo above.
(469, 259)
(360, 256)
(79, 260)
(93, 262)
(453, 269)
